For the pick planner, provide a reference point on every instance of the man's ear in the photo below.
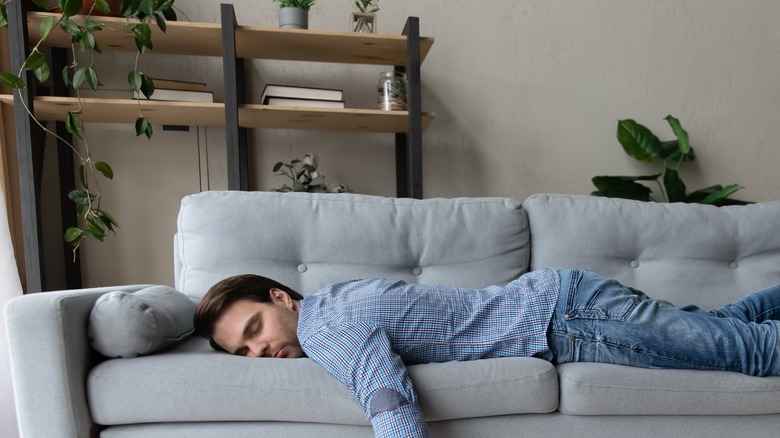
(280, 297)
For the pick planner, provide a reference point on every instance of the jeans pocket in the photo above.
(604, 300)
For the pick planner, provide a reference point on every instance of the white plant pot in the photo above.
(293, 18)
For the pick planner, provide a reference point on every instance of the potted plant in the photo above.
(294, 14)
(640, 143)
(365, 19)
(305, 177)
(94, 221)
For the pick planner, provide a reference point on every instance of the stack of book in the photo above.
(166, 89)
(303, 97)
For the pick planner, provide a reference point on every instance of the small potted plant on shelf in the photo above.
(75, 18)
(306, 178)
(365, 19)
(294, 14)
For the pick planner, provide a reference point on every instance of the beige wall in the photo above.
(527, 94)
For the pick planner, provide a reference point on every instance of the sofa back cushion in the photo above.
(307, 241)
(683, 253)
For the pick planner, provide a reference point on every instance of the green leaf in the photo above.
(92, 79)
(70, 7)
(42, 73)
(11, 80)
(142, 126)
(161, 22)
(73, 235)
(278, 166)
(129, 7)
(83, 210)
(41, 4)
(147, 86)
(147, 6)
(718, 197)
(143, 37)
(46, 26)
(80, 197)
(682, 135)
(3, 15)
(108, 219)
(95, 229)
(674, 186)
(34, 61)
(170, 14)
(623, 187)
(87, 41)
(637, 140)
(134, 79)
(79, 77)
(70, 28)
(66, 76)
(105, 169)
(317, 181)
(102, 5)
(73, 124)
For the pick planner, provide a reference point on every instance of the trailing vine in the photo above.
(94, 221)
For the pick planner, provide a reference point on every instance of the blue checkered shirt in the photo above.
(365, 332)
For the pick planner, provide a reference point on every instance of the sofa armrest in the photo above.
(51, 356)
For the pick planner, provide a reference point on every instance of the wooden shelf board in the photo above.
(364, 120)
(99, 110)
(51, 108)
(324, 46)
(253, 42)
(199, 39)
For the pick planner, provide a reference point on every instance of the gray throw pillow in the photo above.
(124, 324)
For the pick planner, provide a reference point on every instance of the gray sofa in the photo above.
(687, 254)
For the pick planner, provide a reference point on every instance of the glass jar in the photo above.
(392, 91)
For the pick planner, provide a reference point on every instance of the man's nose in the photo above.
(257, 349)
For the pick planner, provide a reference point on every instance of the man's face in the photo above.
(249, 328)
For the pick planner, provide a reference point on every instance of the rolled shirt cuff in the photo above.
(406, 421)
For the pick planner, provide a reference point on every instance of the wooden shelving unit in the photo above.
(233, 43)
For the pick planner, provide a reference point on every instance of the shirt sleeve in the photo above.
(361, 357)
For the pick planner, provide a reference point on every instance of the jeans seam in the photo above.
(589, 340)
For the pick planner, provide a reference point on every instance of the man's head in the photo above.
(250, 315)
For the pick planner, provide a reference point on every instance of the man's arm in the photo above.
(361, 357)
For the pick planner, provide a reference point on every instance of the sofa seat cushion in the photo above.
(190, 382)
(602, 389)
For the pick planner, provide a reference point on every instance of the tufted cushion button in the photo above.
(634, 263)
(734, 265)
(417, 270)
(302, 268)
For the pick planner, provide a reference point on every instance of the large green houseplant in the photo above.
(640, 143)
(140, 15)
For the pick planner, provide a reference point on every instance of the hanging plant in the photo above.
(94, 221)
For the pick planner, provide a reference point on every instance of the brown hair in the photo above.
(248, 287)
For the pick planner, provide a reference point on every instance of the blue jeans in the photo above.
(600, 320)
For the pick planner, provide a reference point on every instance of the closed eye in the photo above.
(251, 329)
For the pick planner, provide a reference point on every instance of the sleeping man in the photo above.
(365, 332)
